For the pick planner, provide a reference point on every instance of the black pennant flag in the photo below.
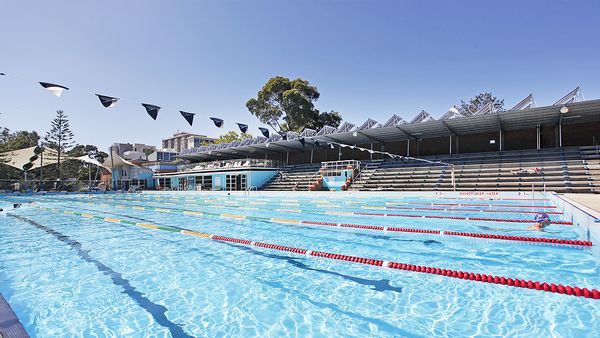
(243, 127)
(152, 110)
(54, 88)
(218, 122)
(2, 74)
(188, 116)
(264, 131)
(107, 101)
(303, 141)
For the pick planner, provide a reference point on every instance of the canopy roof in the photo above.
(454, 123)
(19, 158)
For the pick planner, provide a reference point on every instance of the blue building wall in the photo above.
(219, 180)
(336, 182)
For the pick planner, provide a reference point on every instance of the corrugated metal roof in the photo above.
(396, 129)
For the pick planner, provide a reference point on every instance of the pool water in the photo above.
(68, 275)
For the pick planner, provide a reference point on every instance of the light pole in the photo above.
(91, 154)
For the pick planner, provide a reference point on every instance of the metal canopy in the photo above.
(396, 129)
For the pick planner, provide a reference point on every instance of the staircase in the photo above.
(297, 176)
(591, 159)
(365, 174)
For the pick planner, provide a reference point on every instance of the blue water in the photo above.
(65, 275)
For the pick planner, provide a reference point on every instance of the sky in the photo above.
(367, 59)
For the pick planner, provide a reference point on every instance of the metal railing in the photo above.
(360, 171)
(250, 189)
(313, 176)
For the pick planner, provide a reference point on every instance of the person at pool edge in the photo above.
(541, 220)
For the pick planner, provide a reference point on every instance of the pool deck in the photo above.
(10, 326)
(588, 202)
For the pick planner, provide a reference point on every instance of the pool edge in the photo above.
(10, 325)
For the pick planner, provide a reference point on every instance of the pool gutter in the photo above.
(10, 326)
(586, 220)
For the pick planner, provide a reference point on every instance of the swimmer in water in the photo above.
(541, 220)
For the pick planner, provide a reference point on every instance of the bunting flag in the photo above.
(54, 88)
(188, 116)
(217, 121)
(317, 143)
(152, 110)
(2, 74)
(303, 141)
(264, 131)
(107, 101)
(283, 136)
(243, 127)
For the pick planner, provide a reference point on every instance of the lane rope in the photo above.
(373, 214)
(458, 274)
(574, 242)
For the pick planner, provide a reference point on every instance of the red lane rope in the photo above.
(478, 210)
(484, 278)
(458, 218)
(455, 233)
(481, 205)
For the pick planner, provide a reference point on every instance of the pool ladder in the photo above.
(249, 189)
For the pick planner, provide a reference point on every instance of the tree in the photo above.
(289, 106)
(229, 137)
(148, 151)
(479, 101)
(60, 137)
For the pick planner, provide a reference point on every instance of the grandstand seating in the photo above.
(299, 176)
(573, 169)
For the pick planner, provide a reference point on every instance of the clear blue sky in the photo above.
(367, 58)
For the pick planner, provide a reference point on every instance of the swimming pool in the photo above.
(208, 264)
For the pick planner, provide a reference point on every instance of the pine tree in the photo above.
(60, 136)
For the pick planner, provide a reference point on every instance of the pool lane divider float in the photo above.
(372, 207)
(327, 204)
(485, 278)
(547, 240)
(372, 214)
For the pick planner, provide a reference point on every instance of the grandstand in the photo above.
(527, 147)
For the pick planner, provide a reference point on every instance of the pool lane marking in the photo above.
(157, 311)
(546, 240)
(370, 214)
(514, 282)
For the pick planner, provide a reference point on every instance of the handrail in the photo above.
(249, 189)
(310, 179)
(360, 171)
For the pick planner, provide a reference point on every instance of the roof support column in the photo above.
(408, 147)
(371, 153)
(538, 136)
(560, 133)
(500, 144)
(311, 155)
(450, 152)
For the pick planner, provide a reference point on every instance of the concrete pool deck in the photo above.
(588, 202)
(10, 326)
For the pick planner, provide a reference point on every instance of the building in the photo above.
(135, 151)
(162, 156)
(568, 123)
(182, 141)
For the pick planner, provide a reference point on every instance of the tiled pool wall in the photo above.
(587, 225)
